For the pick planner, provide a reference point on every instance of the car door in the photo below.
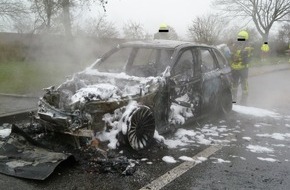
(225, 70)
(185, 84)
(211, 81)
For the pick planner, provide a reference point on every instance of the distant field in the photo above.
(30, 77)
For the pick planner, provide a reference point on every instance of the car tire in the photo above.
(225, 103)
(141, 128)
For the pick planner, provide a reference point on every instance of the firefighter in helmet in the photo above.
(241, 54)
(264, 51)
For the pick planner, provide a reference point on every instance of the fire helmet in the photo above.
(243, 35)
(163, 26)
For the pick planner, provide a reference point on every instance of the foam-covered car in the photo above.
(140, 89)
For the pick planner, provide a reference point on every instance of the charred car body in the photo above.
(139, 88)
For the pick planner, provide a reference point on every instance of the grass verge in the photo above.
(31, 77)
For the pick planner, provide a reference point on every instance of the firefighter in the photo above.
(264, 51)
(241, 54)
(163, 32)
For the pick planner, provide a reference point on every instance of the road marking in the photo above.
(182, 168)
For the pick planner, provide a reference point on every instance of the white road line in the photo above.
(181, 169)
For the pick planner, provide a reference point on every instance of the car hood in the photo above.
(92, 85)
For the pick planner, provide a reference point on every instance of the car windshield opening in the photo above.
(116, 62)
(142, 62)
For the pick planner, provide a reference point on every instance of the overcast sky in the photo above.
(151, 13)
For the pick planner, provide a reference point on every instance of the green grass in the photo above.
(31, 77)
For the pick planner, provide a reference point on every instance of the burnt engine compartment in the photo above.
(78, 106)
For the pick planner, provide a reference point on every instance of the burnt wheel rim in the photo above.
(141, 129)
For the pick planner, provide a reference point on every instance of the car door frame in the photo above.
(224, 70)
(211, 84)
(194, 82)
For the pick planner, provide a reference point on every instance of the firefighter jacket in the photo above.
(241, 57)
(265, 48)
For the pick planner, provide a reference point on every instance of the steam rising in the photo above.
(39, 61)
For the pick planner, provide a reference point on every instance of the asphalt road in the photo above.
(249, 152)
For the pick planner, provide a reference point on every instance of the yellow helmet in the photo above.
(163, 27)
(243, 35)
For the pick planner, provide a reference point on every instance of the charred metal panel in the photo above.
(21, 156)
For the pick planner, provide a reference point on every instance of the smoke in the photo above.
(45, 60)
(270, 90)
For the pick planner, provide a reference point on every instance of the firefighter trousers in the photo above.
(240, 77)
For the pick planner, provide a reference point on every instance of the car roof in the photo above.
(171, 44)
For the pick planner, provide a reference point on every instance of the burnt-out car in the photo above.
(140, 89)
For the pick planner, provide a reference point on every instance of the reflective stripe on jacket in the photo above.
(238, 66)
(241, 58)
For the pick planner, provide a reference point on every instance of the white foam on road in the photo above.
(174, 143)
(234, 156)
(220, 161)
(258, 112)
(276, 136)
(279, 145)
(259, 149)
(169, 159)
(200, 136)
(186, 158)
(201, 159)
(268, 159)
(247, 138)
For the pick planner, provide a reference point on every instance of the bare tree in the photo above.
(205, 29)
(66, 17)
(25, 25)
(264, 13)
(230, 34)
(172, 33)
(148, 36)
(284, 34)
(284, 31)
(134, 30)
(50, 12)
(89, 3)
(46, 11)
(100, 27)
(53, 10)
(11, 10)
